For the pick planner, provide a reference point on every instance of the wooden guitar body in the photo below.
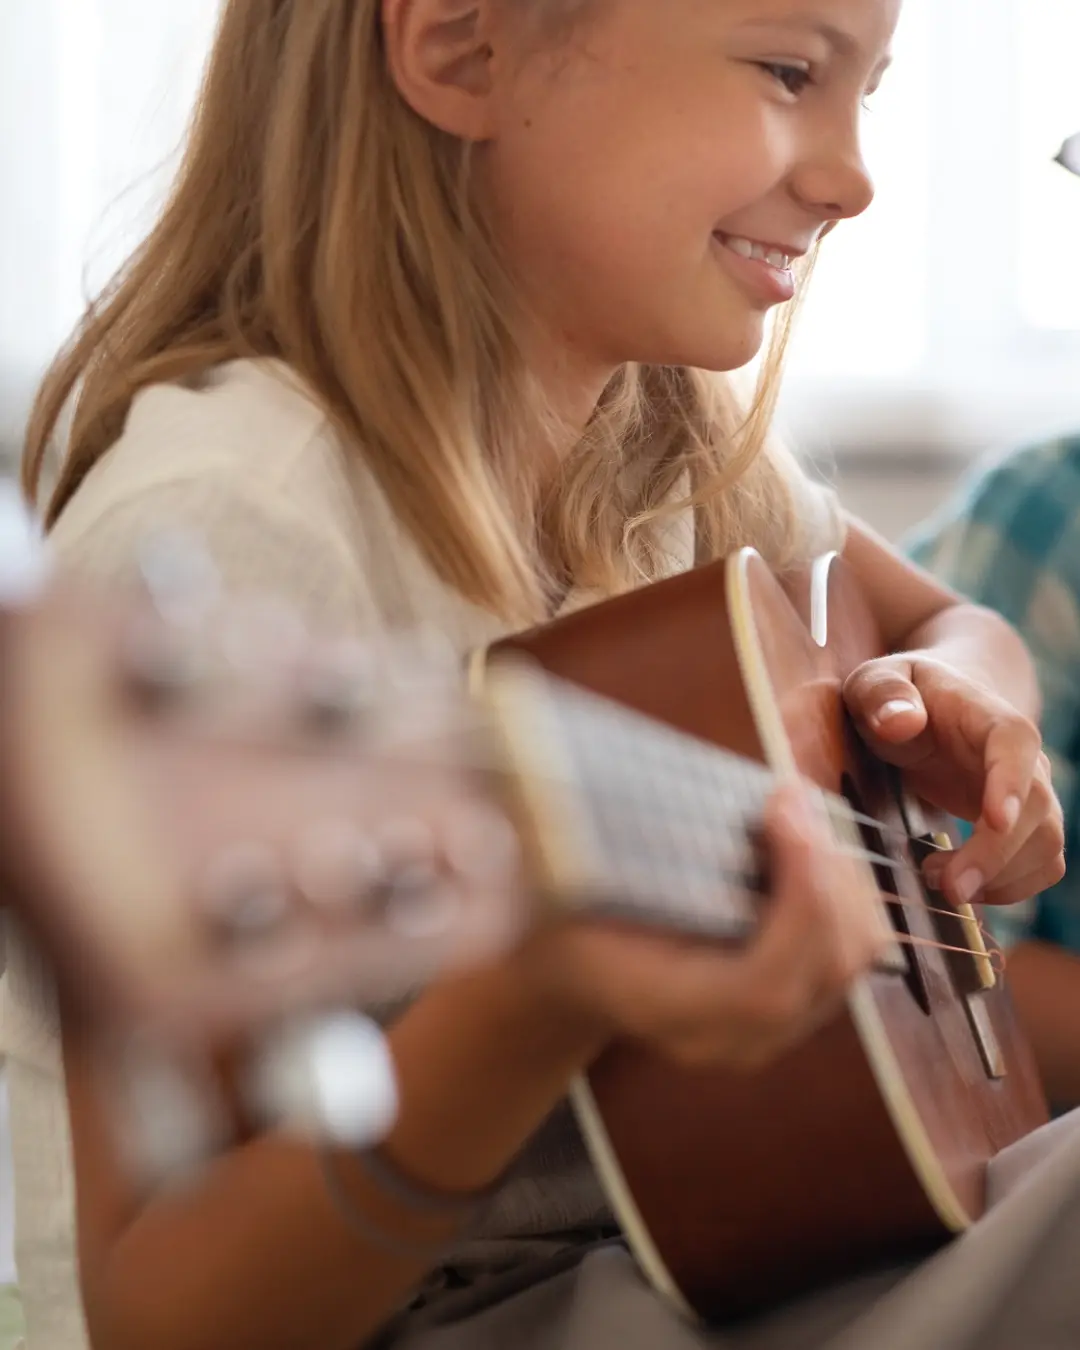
(870, 1143)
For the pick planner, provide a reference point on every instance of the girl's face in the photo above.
(650, 176)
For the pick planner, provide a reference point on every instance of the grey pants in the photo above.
(1011, 1283)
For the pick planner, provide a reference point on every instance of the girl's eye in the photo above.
(795, 79)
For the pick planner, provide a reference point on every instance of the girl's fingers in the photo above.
(885, 703)
(991, 859)
(1023, 887)
(1011, 756)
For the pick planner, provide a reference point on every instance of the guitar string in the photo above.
(839, 806)
(835, 803)
(729, 877)
(994, 953)
(836, 807)
(859, 854)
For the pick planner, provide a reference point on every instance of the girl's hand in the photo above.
(971, 754)
(823, 927)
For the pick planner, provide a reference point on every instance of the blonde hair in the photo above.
(316, 219)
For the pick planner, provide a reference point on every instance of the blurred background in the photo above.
(944, 323)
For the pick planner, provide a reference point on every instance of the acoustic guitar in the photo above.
(632, 746)
(870, 1143)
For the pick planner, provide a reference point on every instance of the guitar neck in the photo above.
(629, 818)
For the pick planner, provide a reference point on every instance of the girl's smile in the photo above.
(764, 270)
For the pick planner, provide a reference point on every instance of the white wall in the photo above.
(892, 498)
(94, 96)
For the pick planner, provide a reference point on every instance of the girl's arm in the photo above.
(255, 1256)
(955, 706)
(917, 613)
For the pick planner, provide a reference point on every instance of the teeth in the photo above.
(747, 248)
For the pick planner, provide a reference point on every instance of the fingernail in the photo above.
(1012, 809)
(968, 886)
(896, 707)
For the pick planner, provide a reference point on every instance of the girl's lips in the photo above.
(775, 285)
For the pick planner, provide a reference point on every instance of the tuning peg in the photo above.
(244, 892)
(481, 845)
(329, 1078)
(337, 865)
(395, 873)
(416, 896)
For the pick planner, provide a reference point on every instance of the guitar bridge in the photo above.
(970, 965)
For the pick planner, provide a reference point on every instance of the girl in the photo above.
(420, 337)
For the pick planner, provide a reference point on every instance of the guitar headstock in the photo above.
(218, 822)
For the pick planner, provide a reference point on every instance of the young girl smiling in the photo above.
(433, 328)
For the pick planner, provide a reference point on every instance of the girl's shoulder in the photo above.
(244, 460)
(246, 428)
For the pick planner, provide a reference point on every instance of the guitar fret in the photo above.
(672, 819)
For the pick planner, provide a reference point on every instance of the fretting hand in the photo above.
(967, 751)
(698, 1004)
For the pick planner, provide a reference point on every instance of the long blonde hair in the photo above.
(316, 219)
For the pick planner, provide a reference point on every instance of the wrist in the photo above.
(481, 1061)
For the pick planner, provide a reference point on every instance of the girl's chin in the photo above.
(720, 352)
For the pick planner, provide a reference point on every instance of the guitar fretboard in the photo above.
(664, 826)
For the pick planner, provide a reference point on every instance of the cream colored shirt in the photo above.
(251, 465)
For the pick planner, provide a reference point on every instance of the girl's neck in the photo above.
(572, 385)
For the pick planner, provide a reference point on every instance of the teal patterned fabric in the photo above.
(1010, 539)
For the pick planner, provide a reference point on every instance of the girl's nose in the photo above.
(838, 187)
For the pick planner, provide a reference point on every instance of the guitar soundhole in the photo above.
(874, 841)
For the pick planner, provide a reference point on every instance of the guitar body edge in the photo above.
(620, 1195)
(862, 1008)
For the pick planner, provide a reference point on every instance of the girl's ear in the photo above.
(440, 55)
